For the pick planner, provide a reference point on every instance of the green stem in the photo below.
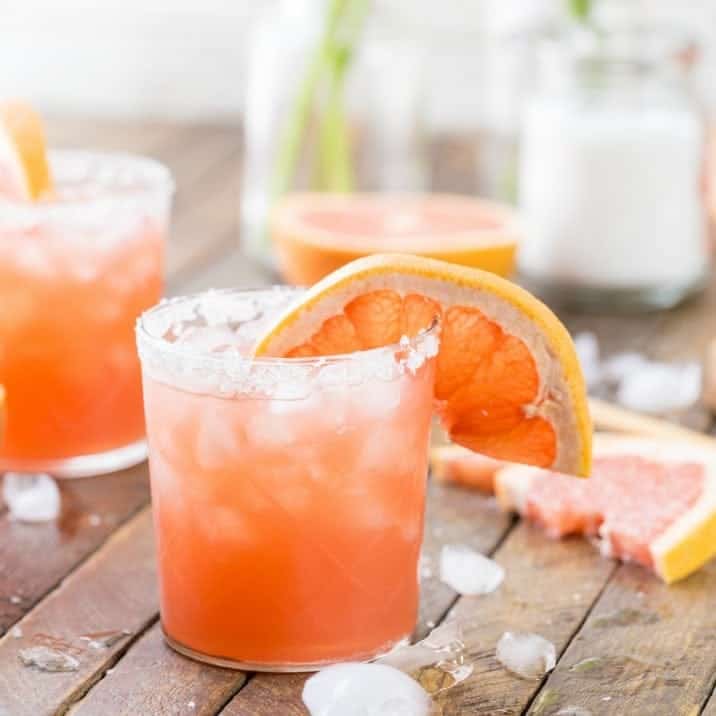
(292, 138)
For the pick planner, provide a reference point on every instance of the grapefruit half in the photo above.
(648, 501)
(315, 234)
(508, 383)
(24, 171)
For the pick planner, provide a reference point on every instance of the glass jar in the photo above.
(611, 169)
(333, 104)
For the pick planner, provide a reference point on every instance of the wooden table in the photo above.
(94, 569)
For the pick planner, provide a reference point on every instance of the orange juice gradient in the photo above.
(289, 531)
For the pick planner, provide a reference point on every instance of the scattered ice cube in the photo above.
(105, 639)
(364, 690)
(16, 632)
(587, 349)
(443, 650)
(661, 387)
(31, 498)
(530, 656)
(621, 366)
(469, 572)
(48, 659)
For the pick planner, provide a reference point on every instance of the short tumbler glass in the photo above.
(288, 494)
(76, 270)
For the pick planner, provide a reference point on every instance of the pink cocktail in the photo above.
(76, 270)
(288, 494)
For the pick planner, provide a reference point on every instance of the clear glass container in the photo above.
(327, 111)
(288, 494)
(76, 270)
(611, 174)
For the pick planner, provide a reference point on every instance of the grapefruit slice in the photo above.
(315, 234)
(508, 383)
(24, 171)
(648, 501)
(458, 465)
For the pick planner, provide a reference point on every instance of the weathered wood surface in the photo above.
(664, 663)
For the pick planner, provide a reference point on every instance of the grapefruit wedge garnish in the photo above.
(24, 171)
(508, 382)
(315, 234)
(648, 501)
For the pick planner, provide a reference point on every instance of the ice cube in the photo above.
(364, 690)
(31, 497)
(211, 339)
(48, 659)
(621, 366)
(443, 649)
(530, 656)
(587, 349)
(468, 572)
(661, 387)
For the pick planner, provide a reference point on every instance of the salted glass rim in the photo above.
(159, 345)
(121, 176)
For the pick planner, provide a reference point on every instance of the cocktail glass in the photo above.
(76, 270)
(288, 494)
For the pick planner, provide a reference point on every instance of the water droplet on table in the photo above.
(45, 658)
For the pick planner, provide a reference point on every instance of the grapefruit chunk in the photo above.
(650, 502)
(24, 171)
(508, 383)
(315, 234)
(458, 465)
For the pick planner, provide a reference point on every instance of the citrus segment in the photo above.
(458, 465)
(651, 502)
(315, 234)
(24, 171)
(508, 382)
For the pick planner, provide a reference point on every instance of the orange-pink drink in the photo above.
(288, 495)
(76, 270)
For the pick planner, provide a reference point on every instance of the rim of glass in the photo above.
(123, 176)
(207, 357)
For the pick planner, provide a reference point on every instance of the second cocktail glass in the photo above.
(288, 494)
(76, 269)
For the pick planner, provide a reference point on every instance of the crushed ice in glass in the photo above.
(364, 690)
(530, 656)
(105, 639)
(45, 658)
(638, 382)
(438, 662)
(31, 497)
(468, 572)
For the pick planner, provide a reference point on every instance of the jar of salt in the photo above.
(610, 182)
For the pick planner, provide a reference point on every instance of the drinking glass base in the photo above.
(83, 465)
(283, 668)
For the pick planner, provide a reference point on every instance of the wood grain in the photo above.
(153, 679)
(646, 648)
(549, 588)
(35, 557)
(113, 590)
(710, 708)
(269, 695)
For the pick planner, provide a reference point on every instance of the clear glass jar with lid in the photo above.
(611, 173)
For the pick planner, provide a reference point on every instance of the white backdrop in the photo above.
(185, 59)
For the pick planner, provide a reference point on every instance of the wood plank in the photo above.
(114, 589)
(710, 708)
(153, 679)
(35, 557)
(646, 648)
(549, 587)
(269, 695)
